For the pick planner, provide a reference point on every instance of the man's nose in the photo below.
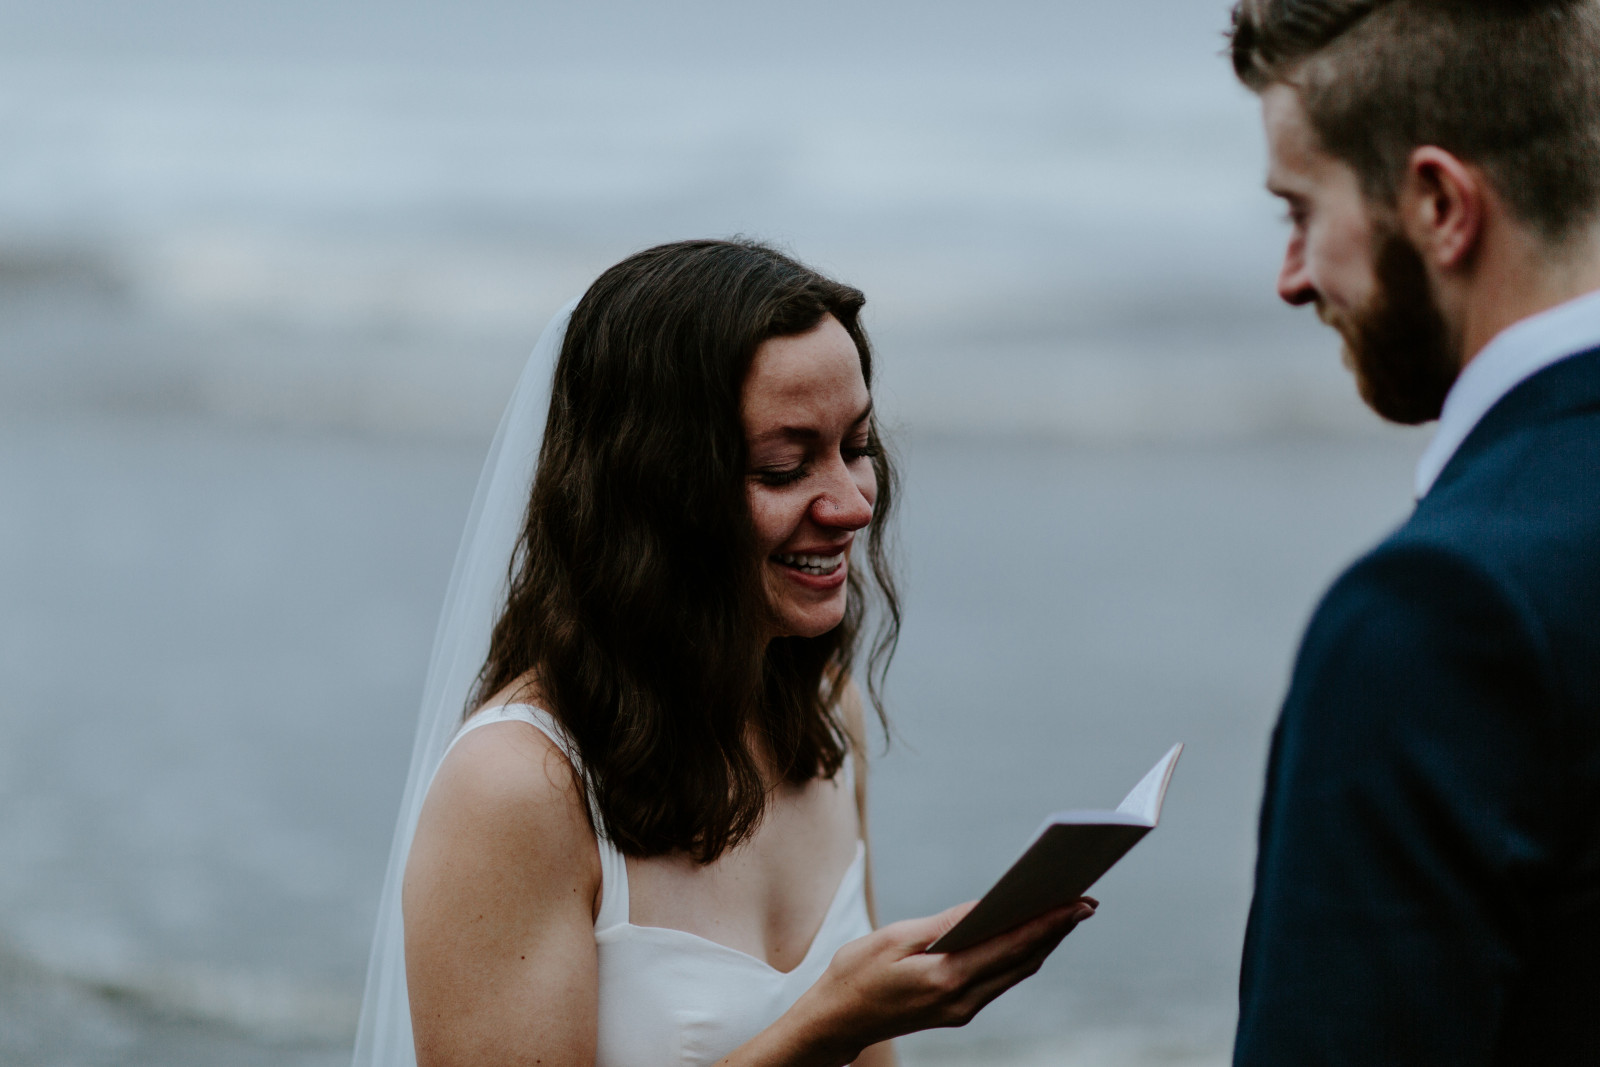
(1294, 281)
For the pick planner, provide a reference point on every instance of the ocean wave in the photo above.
(423, 339)
(375, 246)
(266, 1007)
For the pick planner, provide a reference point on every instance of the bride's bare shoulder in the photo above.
(508, 763)
(507, 768)
(501, 891)
(505, 803)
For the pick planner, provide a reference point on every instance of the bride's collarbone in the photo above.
(768, 896)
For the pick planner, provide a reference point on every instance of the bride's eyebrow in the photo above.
(806, 433)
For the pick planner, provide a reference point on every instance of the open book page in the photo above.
(1068, 855)
(1144, 800)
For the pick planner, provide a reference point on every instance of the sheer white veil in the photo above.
(476, 594)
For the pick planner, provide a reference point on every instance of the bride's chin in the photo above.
(807, 623)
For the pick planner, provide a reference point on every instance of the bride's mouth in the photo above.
(818, 566)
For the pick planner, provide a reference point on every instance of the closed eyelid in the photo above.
(789, 434)
(1290, 198)
(788, 456)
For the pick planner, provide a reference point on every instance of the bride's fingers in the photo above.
(998, 979)
(914, 935)
(930, 929)
(1007, 951)
(946, 920)
(981, 990)
(979, 996)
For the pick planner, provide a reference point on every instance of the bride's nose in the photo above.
(844, 503)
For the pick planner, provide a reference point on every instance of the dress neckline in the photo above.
(854, 874)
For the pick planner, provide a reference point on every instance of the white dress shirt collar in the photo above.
(1515, 354)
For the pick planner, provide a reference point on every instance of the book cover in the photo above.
(1067, 855)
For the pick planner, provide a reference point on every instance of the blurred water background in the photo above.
(267, 273)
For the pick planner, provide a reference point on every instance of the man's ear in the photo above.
(1442, 204)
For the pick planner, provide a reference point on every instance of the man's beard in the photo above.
(1399, 346)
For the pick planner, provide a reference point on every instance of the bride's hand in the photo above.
(884, 985)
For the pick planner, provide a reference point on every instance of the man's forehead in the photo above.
(1294, 156)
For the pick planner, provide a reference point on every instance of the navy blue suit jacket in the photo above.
(1428, 881)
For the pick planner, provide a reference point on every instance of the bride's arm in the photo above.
(499, 895)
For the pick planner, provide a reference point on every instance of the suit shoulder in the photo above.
(1417, 604)
(1525, 495)
(1416, 569)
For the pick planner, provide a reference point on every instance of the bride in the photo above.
(646, 845)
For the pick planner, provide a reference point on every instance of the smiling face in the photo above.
(1365, 277)
(810, 483)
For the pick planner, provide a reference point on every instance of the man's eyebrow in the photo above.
(809, 433)
(1284, 190)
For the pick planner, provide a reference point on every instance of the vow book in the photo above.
(1068, 855)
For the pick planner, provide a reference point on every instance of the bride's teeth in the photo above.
(811, 564)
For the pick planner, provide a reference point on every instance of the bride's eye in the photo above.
(780, 476)
(863, 447)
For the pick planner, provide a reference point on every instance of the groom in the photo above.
(1428, 882)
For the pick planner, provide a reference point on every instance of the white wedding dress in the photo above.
(669, 998)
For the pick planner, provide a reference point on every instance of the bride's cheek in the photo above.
(766, 515)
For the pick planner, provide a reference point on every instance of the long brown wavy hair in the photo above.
(635, 599)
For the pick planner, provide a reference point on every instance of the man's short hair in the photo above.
(1512, 86)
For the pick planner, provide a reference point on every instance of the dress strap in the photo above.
(613, 867)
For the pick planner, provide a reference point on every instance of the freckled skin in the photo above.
(805, 407)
